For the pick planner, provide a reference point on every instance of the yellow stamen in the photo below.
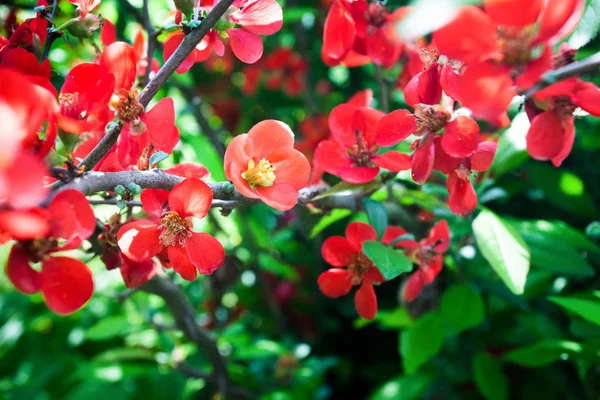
(174, 230)
(261, 174)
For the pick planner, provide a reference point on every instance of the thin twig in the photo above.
(383, 91)
(53, 34)
(590, 64)
(150, 33)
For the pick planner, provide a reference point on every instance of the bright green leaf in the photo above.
(588, 309)
(327, 220)
(462, 308)
(390, 262)
(489, 377)
(401, 238)
(271, 264)
(378, 217)
(422, 341)
(543, 353)
(503, 248)
(108, 328)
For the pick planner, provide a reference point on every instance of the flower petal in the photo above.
(154, 201)
(246, 46)
(335, 282)
(331, 157)
(394, 161)
(359, 175)
(26, 224)
(423, 158)
(205, 252)
(181, 263)
(567, 144)
(67, 284)
(461, 137)
(291, 167)
(413, 287)
(546, 136)
(359, 232)
(119, 59)
(138, 240)
(365, 301)
(339, 33)
(281, 196)
(160, 121)
(270, 136)
(395, 127)
(483, 157)
(463, 198)
(73, 215)
(19, 272)
(191, 198)
(439, 237)
(338, 251)
(263, 17)
(189, 170)
(442, 161)
(136, 274)
(512, 12)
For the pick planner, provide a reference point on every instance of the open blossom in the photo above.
(462, 195)
(65, 283)
(352, 152)
(241, 24)
(356, 32)
(263, 164)
(428, 254)
(85, 6)
(144, 131)
(460, 138)
(189, 252)
(504, 41)
(352, 267)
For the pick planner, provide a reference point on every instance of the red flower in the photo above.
(65, 283)
(428, 254)
(352, 153)
(143, 131)
(285, 69)
(347, 252)
(85, 6)
(84, 98)
(189, 252)
(460, 139)
(463, 198)
(356, 32)
(263, 164)
(552, 131)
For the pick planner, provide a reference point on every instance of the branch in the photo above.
(53, 34)
(226, 204)
(383, 91)
(150, 32)
(184, 316)
(164, 73)
(223, 192)
(590, 64)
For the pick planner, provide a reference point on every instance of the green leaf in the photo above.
(344, 187)
(158, 157)
(593, 230)
(489, 377)
(396, 319)
(108, 328)
(125, 354)
(390, 262)
(378, 217)
(588, 26)
(327, 220)
(422, 341)
(559, 258)
(411, 387)
(543, 353)
(588, 309)
(503, 248)
(296, 14)
(462, 308)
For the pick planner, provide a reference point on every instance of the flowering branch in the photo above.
(164, 73)
(53, 34)
(590, 64)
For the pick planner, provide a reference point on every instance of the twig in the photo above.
(53, 34)
(227, 204)
(184, 316)
(151, 33)
(383, 91)
(590, 64)
(94, 182)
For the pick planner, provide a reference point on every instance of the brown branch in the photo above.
(184, 315)
(151, 33)
(590, 64)
(226, 204)
(224, 193)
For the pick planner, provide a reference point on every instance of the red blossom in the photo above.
(263, 164)
(189, 252)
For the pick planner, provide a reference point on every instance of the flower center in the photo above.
(37, 249)
(359, 265)
(377, 14)
(360, 153)
(174, 230)
(69, 105)
(126, 105)
(261, 174)
(430, 118)
(515, 44)
(563, 107)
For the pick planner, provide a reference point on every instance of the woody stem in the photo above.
(590, 64)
